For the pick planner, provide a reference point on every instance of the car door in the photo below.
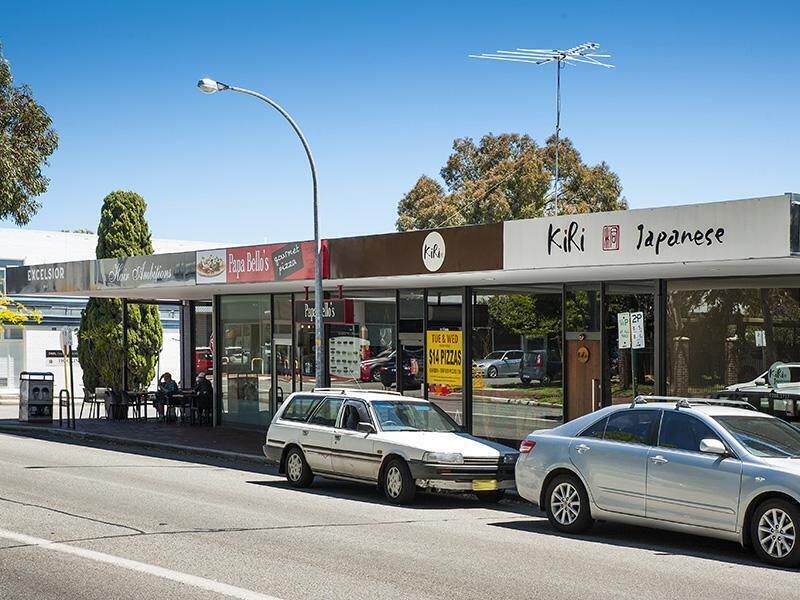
(316, 434)
(687, 486)
(512, 362)
(611, 455)
(353, 451)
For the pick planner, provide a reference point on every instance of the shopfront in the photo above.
(508, 327)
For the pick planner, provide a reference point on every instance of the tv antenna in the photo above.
(585, 53)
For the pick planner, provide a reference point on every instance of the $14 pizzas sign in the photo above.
(443, 357)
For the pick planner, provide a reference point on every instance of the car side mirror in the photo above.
(760, 381)
(712, 446)
(366, 428)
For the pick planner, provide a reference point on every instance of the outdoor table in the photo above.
(185, 399)
(141, 397)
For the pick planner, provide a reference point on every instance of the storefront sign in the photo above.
(334, 312)
(144, 271)
(248, 264)
(448, 250)
(741, 229)
(443, 358)
(42, 279)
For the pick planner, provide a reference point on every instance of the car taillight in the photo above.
(538, 360)
(526, 446)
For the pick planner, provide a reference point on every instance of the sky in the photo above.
(703, 104)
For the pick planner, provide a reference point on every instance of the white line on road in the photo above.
(133, 565)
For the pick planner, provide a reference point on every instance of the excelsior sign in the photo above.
(757, 228)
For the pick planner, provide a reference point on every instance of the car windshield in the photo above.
(763, 436)
(494, 356)
(413, 416)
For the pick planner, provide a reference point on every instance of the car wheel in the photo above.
(492, 497)
(491, 373)
(568, 505)
(375, 375)
(773, 530)
(298, 473)
(546, 380)
(525, 380)
(398, 485)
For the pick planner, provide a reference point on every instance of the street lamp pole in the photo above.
(209, 86)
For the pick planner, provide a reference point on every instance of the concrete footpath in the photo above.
(223, 443)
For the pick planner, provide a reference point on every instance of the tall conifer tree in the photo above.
(123, 231)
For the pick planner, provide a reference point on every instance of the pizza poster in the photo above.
(248, 264)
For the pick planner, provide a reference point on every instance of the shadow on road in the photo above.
(346, 490)
(660, 542)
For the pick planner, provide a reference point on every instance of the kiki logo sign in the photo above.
(433, 251)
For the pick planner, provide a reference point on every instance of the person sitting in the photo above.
(166, 389)
(205, 397)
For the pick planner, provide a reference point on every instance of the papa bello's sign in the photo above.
(248, 264)
(334, 311)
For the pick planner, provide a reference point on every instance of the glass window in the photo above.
(246, 348)
(362, 353)
(444, 359)
(410, 331)
(285, 365)
(354, 413)
(413, 416)
(327, 412)
(299, 408)
(597, 430)
(723, 333)
(632, 426)
(683, 432)
(516, 361)
(763, 436)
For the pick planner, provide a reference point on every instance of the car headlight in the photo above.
(510, 459)
(450, 458)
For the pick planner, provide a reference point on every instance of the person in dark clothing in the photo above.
(205, 397)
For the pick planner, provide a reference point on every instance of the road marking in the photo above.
(133, 565)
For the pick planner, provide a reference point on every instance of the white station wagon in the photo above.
(398, 442)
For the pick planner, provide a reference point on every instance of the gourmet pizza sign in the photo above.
(249, 264)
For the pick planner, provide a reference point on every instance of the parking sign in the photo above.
(624, 329)
(637, 330)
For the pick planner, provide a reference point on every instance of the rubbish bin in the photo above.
(36, 397)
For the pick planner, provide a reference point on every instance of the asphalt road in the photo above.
(133, 526)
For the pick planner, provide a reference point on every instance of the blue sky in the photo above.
(703, 104)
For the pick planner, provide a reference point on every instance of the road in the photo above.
(134, 526)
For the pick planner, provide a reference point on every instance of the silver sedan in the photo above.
(687, 465)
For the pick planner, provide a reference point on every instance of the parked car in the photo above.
(699, 466)
(762, 383)
(412, 371)
(370, 369)
(400, 443)
(500, 363)
(538, 365)
(203, 360)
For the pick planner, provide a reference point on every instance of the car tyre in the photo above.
(774, 530)
(298, 473)
(398, 485)
(568, 505)
(492, 497)
(375, 375)
(546, 380)
(491, 372)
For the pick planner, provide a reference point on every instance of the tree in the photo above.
(507, 177)
(123, 231)
(27, 139)
(13, 313)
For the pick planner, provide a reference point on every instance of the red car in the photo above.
(203, 360)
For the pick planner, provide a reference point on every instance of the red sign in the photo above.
(248, 264)
(610, 237)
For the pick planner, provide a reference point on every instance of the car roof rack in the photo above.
(685, 402)
(345, 391)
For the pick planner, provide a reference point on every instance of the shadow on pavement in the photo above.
(660, 542)
(346, 490)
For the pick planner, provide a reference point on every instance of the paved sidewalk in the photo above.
(199, 439)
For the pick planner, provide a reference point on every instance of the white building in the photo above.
(27, 349)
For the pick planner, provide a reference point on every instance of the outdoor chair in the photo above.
(94, 404)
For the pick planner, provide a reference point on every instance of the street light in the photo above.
(209, 86)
